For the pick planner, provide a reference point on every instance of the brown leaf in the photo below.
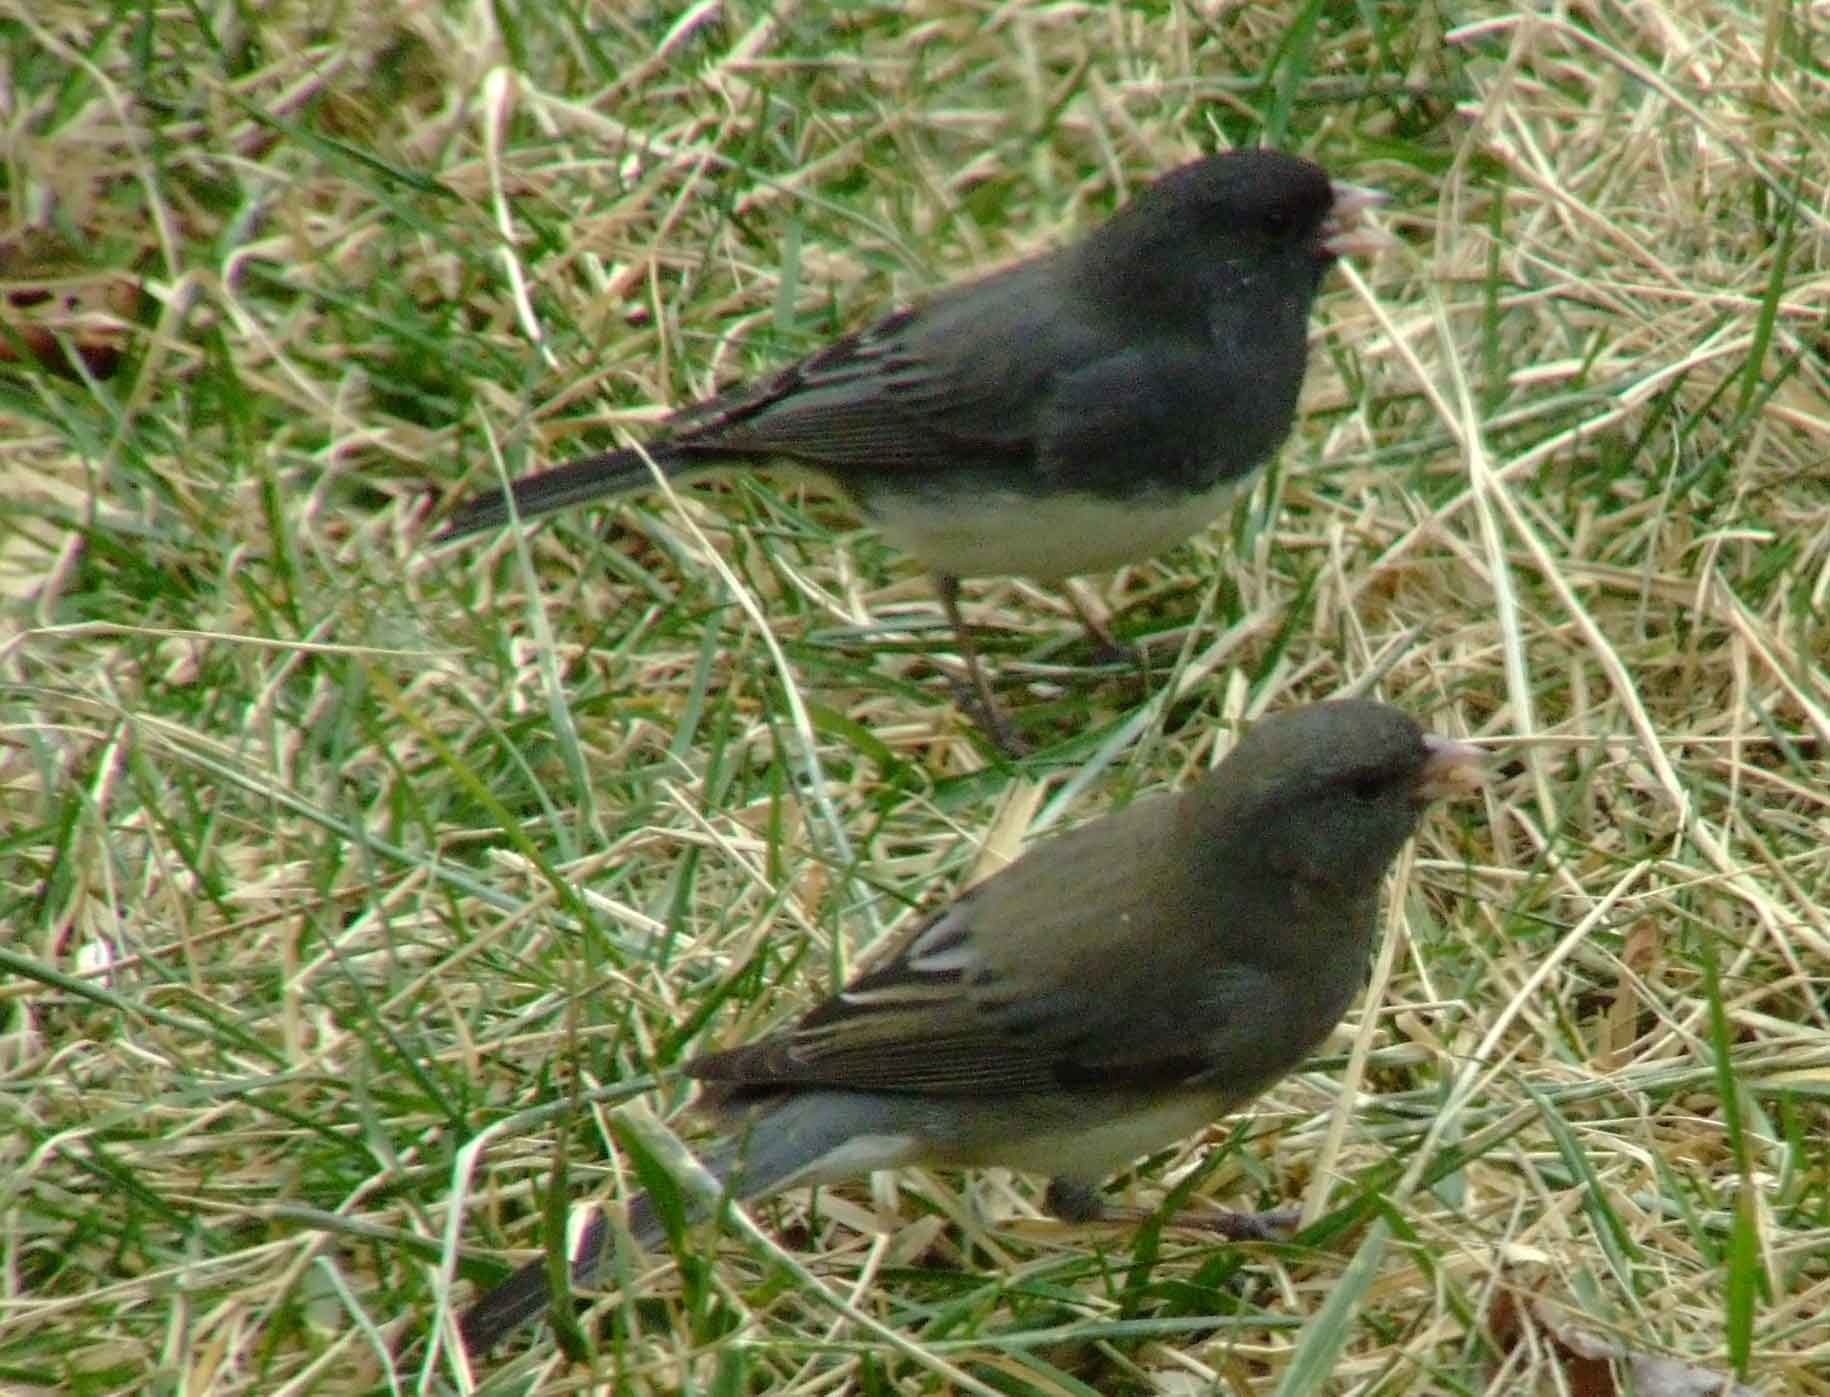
(1590, 1362)
(87, 320)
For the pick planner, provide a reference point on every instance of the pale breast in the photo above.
(1002, 532)
(1082, 1135)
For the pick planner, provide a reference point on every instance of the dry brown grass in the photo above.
(324, 854)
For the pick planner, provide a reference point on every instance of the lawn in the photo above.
(351, 887)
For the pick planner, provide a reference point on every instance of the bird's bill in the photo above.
(1343, 234)
(1451, 768)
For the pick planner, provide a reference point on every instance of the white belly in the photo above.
(1004, 533)
(1099, 1144)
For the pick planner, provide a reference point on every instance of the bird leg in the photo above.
(975, 697)
(1072, 1201)
(1093, 615)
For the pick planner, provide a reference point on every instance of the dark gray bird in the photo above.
(1077, 411)
(1112, 991)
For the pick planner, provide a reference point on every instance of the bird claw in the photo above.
(976, 702)
(1243, 1227)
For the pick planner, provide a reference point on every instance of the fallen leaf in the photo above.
(1591, 1363)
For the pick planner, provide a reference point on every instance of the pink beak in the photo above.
(1343, 234)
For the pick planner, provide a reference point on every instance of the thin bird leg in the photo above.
(1098, 622)
(1072, 1201)
(977, 700)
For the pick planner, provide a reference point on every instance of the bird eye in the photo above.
(1277, 222)
(1368, 787)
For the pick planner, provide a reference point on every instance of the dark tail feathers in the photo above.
(607, 473)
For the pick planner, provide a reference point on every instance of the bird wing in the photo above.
(959, 380)
(1046, 977)
(1007, 374)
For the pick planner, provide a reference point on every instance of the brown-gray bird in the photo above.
(1112, 991)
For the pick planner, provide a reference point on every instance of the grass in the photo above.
(325, 854)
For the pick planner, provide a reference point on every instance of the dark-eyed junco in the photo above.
(1077, 411)
(1110, 992)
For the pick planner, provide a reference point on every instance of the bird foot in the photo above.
(1074, 1202)
(1242, 1227)
(976, 702)
(1108, 649)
